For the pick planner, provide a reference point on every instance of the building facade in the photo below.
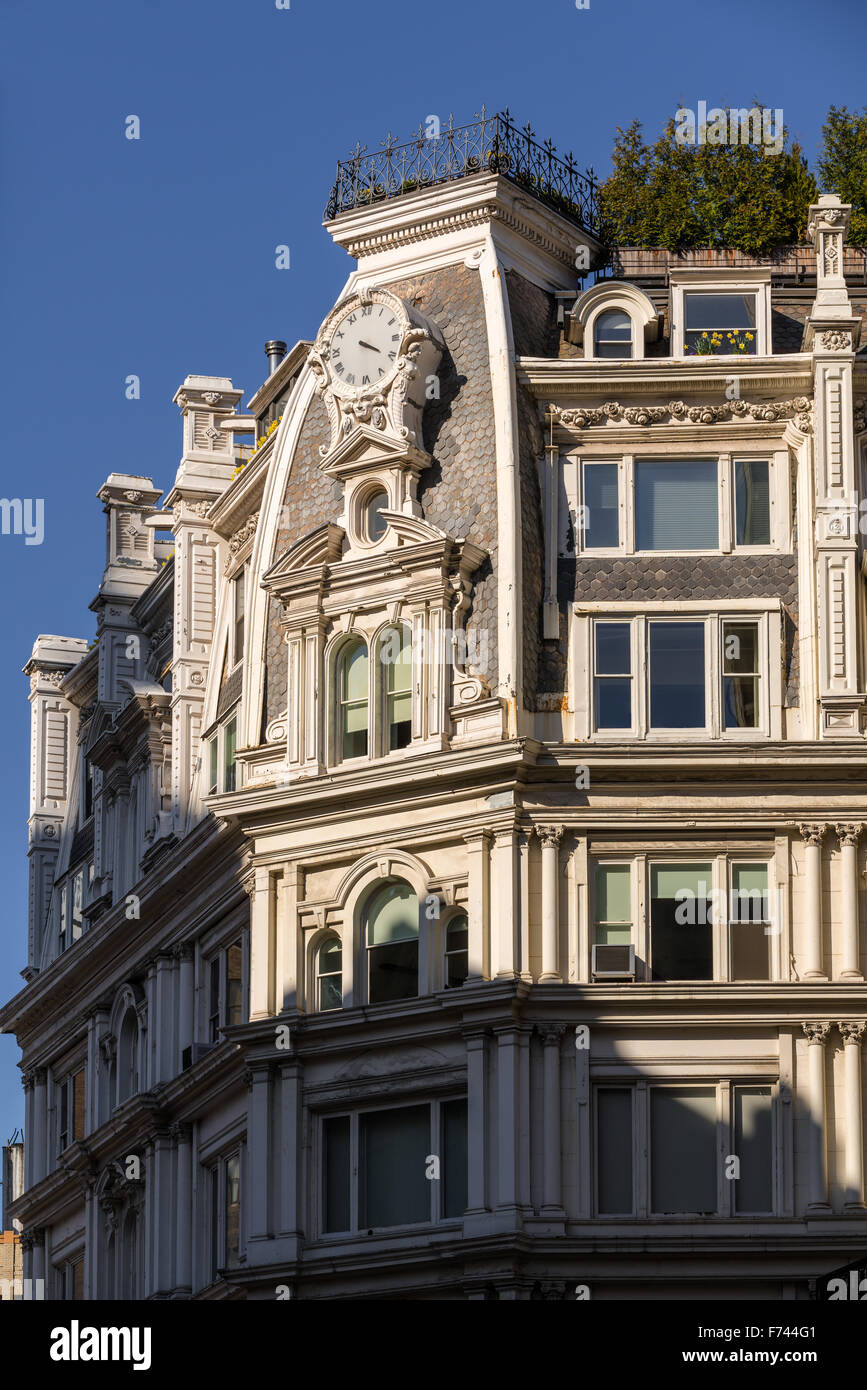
(447, 871)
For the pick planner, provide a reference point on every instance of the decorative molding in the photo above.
(849, 834)
(836, 340)
(240, 539)
(813, 834)
(816, 1032)
(852, 1032)
(799, 409)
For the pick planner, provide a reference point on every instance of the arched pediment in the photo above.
(387, 863)
(323, 546)
(616, 294)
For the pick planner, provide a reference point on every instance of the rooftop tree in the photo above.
(843, 165)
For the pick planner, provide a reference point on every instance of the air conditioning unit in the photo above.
(194, 1053)
(614, 962)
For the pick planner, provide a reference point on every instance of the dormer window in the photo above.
(612, 334)
(718, 325)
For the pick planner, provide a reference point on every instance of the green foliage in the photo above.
(843, 165)
(685, 196)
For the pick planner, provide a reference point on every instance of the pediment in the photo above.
(412, 530)
(366, 447)
(320, 547)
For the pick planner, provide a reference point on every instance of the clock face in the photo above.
(364, 346)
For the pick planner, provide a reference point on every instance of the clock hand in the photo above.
(362, 343)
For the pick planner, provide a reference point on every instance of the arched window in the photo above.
(352, 688)
(396, 662)
(457, 951)
(374, 523)
(329, 975)
(612, 334)
(391, 924)
(127, 1057)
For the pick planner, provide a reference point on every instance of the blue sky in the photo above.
(156, 257)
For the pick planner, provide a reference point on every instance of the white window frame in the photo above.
(573, 492)
(614, 307)
(766, 612)
(721, 862)
(241, 575)
(616, 1077)
(756, 282)
(377, 699)
(218, 736)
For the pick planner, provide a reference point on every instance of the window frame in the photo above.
(238, 584)
(573, 491)
(378, 728)
(601, 313)
(743, 282)
(747, 1076)
(214, 750)
(217, 1211)
(766, 613)
(214, 1020)
(722, 861)
(355, 1114)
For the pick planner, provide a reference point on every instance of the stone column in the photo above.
(186, 998)
(258, 1150)
(37, 1288)
(159, 1172)
(476, 1122)
(551, 1194)
(813, 835)
(508, 1117)
(183, 1136)
(40, 1129)
(816, 1033)
(291, 1219)
(478, 906)
(550, 836)
(852, 1034)
(851, 966)
(505, 907)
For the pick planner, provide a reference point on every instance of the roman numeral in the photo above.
(395, 337)
(351, 319)
(365, 313)
(390, 322)
(339, 367)
(381, 372)
(380, 314)
(391, 356)
(365, 381)
(338, 335)
(350, 379)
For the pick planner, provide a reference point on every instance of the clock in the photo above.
(364, 346)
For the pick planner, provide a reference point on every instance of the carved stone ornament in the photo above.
(852, 1033)
(836, 340)
(394, 402)
(197, 508)
(212, 397)
(861, 415)
(182, 400)
(550, 835)
(849, 834)
(133, 496)
(813, 834)
(816, 1032)
(579, 418)
(240, 538)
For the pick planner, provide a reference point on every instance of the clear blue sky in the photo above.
(156, 257)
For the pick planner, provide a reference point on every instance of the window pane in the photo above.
(681, 930)
(233, 984)
(676, 506)
(230, 740)
(353, 696)
(720, 311)
(752, 503)
(374, 522)
(613, 898)
(392, 914)
(233, 1211)
(355, 673)
(393, 972)
(749, 911)
(213, 766)
(741, 678)
(454, 1166)
(457, 952)
(614, 1151)
(613, 704)
(335, 1184)
(613, 334)
(754, 1190)
(677, 676)
(612, 649)
(601, 518)
(394, 1147)
(683, 1149)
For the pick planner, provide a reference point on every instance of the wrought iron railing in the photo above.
(491, 144)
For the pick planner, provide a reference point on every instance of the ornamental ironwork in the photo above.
(489, 145)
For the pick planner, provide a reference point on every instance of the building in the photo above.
(11, 1278)
(447, 864)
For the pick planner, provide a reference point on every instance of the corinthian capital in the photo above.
(852, 1032)
(816, 1032)
(850, 833)
(813, 834)
(550, 834)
